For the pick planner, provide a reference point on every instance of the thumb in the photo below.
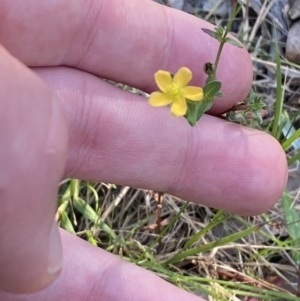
(33, 139)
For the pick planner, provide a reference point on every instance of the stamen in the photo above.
(174, 90)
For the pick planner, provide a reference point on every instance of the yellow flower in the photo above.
(174, 91)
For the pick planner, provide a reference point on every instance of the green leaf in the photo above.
(220, 30)
(234, 42)
(197, 109)
(203, 107)
(212, 33)
(191, 114)
(257, 116)
(211, 89)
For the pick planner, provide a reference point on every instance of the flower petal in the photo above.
(192, 93)
(179, 106)
(158, 99)
(182, 77)
(163, 80)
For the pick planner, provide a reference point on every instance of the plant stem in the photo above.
(223, 41)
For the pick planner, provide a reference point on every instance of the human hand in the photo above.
(63, 120)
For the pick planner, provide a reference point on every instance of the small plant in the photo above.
(191, 101)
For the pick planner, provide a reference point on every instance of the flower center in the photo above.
(174, 90)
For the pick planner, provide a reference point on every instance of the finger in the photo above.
(118, 137)
(32, 157)
(124, 41)
(90, 273)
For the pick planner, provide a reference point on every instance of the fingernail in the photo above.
(55, 252)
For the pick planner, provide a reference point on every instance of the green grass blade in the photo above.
(91, 238)
(294, 159)
(95, 194)
(88, 212)
(94, 191)
(293, 223)
(279, 96)
(170, 224)
(217, 219)
(74, 188)
(247, 289)
(66, 223)
(66, 195)
(288, 142)
(209, 246)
